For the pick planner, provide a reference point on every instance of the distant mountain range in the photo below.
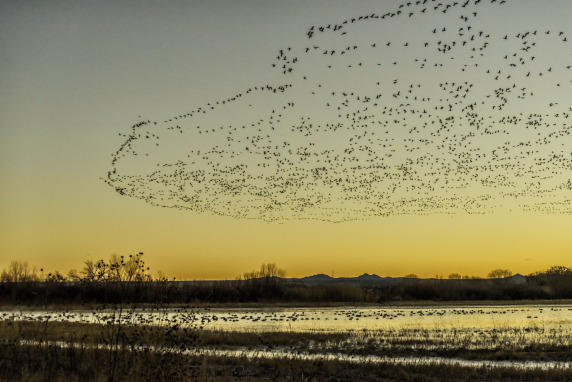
(365, 279)
(323, 279)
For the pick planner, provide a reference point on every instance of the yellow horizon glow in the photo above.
(78, 75)
(223, 248)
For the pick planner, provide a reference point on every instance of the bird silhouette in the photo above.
(356, 127)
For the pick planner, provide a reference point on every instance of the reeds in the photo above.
(120, 346)
(41, 363)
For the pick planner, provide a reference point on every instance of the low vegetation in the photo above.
(119, 345)
(45, 363)
(43, 349)
(129, 280)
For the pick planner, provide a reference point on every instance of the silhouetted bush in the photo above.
(127, 281)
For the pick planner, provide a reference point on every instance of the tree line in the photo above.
(127, 280)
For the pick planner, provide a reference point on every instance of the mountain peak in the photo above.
(368, 276)
(319, 276)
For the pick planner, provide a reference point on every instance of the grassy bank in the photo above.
(522, 344)
(178, 348)
(51, 363)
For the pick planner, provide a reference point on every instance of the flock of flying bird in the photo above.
(432, 107)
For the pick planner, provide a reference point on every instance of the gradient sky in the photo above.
(77, 75)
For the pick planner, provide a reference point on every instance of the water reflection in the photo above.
(286, 354)
(527, 365)
(468, 328)
(369, 334)
(336, 319)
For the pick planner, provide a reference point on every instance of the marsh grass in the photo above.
(54, 363)
(183, 332)
(106, 350)
(120, 346)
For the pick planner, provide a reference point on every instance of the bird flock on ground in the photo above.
(233, 319)
(432, 106)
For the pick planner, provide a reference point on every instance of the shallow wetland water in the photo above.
(372, 334)
(338, 319)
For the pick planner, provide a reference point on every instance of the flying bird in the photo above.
(453, 123)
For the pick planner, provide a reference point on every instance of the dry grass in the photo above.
(53, 363)
(31, 350)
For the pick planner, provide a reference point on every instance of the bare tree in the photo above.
(455, 276)
(95, 271)
(499, 274)
(266, 270)
(55, 277)
(19, 271)
(560, 279)
(117, 269)
(161, 276)
(558, 270)
(271, 270)
(74, 275)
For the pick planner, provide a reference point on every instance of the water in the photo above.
(358, 319)
(412, 328)
(333, 319)
(284, 353)
(527, 365)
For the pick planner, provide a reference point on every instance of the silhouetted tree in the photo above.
(499, 274)
(558, 270)
(94, 271)
(132, 269)
(19, 271)
(266, 270)
(55, 277)
(267, 283)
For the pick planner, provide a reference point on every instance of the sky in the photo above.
(337, 137)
